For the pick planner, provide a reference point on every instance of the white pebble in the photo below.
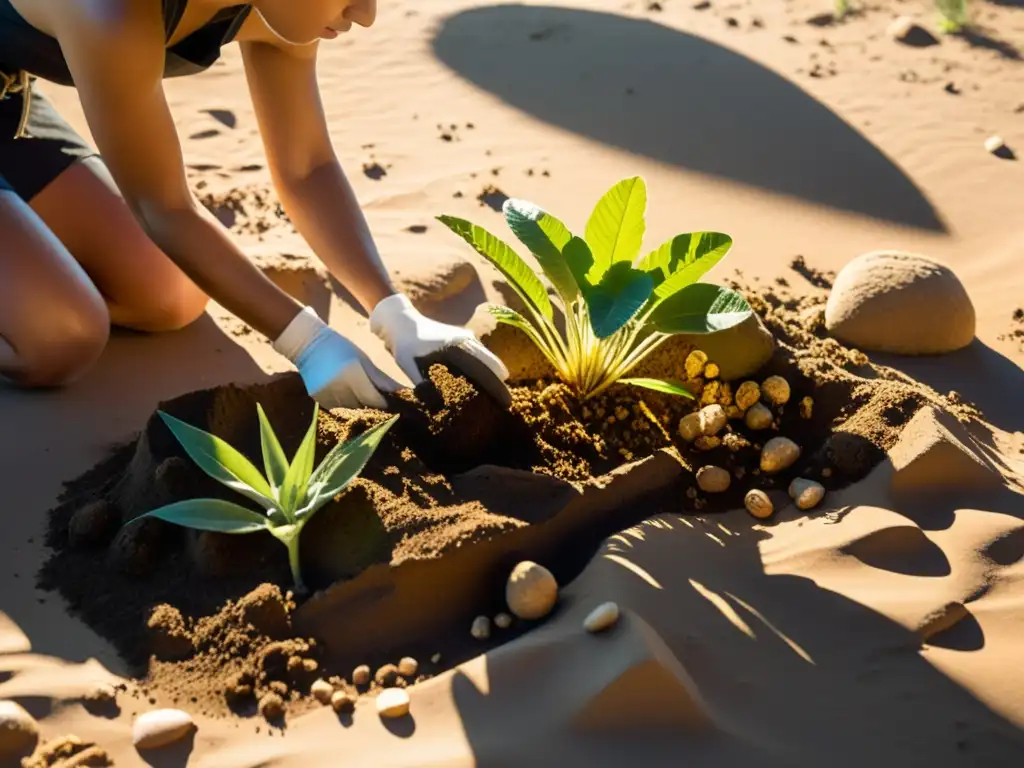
(361, 675)
(393, 702)
(712, 419)
(712, 479)
(602, 617)
(806, 493)
(19, 731)
(776, 390)
(758, 416)
(758, 504)
(778, 454)
(531, 591)
(408, 666)
(435, 659)
(995, 145)
(322, 691)
(481, 628)
(503, 621)
(689, 426)
(161, 727)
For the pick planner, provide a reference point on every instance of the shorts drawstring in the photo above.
(19, 83)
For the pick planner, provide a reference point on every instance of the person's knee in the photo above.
(171, 310)
(64, 343)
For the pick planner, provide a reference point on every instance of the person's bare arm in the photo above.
(307, 175)
(115, 52)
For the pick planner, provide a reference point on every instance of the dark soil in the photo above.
(421, 542)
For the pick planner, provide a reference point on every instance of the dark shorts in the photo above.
(47, 149)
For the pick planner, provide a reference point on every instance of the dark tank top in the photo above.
(23, 47)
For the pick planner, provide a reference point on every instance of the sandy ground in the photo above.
(884, 629)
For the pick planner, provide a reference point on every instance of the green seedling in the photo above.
(290, 494)
(842, 9)
(954, 15)
(618, 307)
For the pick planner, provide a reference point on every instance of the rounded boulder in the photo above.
(904, 303)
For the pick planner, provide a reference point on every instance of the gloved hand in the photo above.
(335, 371)
(414, 339)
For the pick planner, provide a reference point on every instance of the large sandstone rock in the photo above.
(890, 301)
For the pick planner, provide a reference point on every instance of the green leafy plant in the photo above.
(290, 493)
(954, 15)
(618, 307)
(842, 8)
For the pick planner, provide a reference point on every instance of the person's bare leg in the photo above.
(53, 322)
(143, 288)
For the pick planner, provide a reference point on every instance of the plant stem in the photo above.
(293, 561)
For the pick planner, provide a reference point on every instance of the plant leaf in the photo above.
(617, 298)
(545, 236)
(516, 271)
(274, 460)
(210, 515)
(701, 308)
(684, 259)
(615, 229)
(293, 490)
(579, 260)
(667, 386)
(513, 318)
(344, 462)
(220, 461)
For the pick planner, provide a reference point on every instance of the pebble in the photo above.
(161, 727)
(361, 675)
(778, 454)
(393, 702)
(322, 691)
(19, 732)
(807, 407)
(758, 504)
(905, 30)
(531, 591)
(712, 479)
(733, 412)
(689, 426)
(343, 701)
(602, 617)
(712, 419)
(386, 675)
(435, 659)
(806, 493)
(996, 146)
(481, 628)
(694, 364)
(503, 621)
(408, 666)
(776, 390)
(747, 394)
(758, 416)
(271, 706)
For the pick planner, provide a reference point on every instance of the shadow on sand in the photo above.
(679, 99)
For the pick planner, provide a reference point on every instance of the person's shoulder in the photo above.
(110, 20)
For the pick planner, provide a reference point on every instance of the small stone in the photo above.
(905, 30)
(343, 701)
(713, 479)
(695, 362)
(711, 371)
(19, 732)
(503, 621)
(758, 416)
(707, 442)
(806, 407)
(602, 617)
(806, 493)
(481, 628)
(102, 693)
(161, 727)
(531, 591)
(712, 419)
(826, 472)
(710, 393)
(748, 393)
(733, 412)
(408, 666)
(322, 691)
(776, 390)
(778, 454)
(758, 504)
(386, 675)
(689, 426)
(735, 442)
(361, 675)
(435, 659)
(393, 702)
(271, 706)
(996, 146)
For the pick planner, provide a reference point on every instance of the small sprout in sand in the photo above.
(758, 416)
(694, 363)
(713, 479)
(758, 504)
(955, 18)
(747, 394)
(689, 426)
(531, 591)
(290, 494)
(601, 618)
(343, 701)
(393, 702)
(712, 419)
(618, 306)
(408, 666)
(806, 407)
(361, 675)
(481, 628)
(503, 621)
(806, 493)
(778, 454)
(322, 691)
(776, 390)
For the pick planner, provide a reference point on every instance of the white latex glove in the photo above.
(413, 338)
(335, 371)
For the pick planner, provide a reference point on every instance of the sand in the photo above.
(883, 627)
